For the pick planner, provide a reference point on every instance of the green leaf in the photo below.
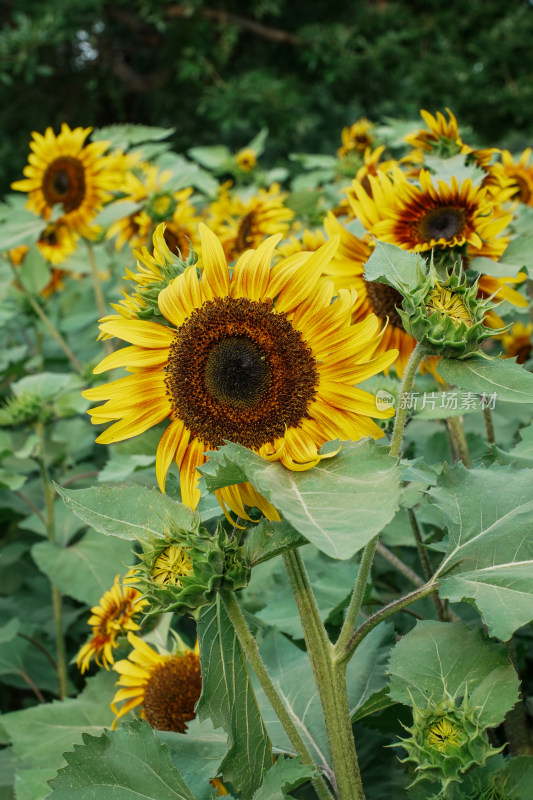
(444, 169)
(197, 754)
(86, 569)
(367, 672)
(268, 539)
(258, 142)
(395, 267)
(128, 512)
(228, 699)
(128, 763)
(40, 734)
(11, 480)
(496, 269)
(519, 253)
(32, 784)
(501, 377)
(9, 630)
(339, 505)
(46, 385)
(211, 157)
(490, 543)
(124, 136)
(437, 658)
(34, 272)
(517, 778)
(20, 231)
(284, 775)
(114, 211)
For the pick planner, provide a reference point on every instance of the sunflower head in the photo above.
(447, 317)
(113, 616)
(445, 741)
(246, 159)
(184, 571)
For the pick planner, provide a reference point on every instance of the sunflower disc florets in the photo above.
(184, 571)
(445, 741)
(446, 317)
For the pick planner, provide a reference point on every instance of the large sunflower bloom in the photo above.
(242, 223)
(433, 215)
(110, 618)
(64, 171)
(346, 270)
(263, 358)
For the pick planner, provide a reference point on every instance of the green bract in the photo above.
(184, 571)
(445, 741)
(446, 317)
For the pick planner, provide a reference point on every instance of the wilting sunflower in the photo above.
(261, 357)
(242, 223)
(519, 342)
(346, 269)
(459, 217)
(110, 618)
(356, 138)
(64, 172)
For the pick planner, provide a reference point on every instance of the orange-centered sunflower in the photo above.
(264, 356)
(64, 172)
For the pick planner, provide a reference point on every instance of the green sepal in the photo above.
(437, 331)
(216, 562)
(436, 758)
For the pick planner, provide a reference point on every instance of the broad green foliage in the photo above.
(284, 775)
(130, 761)
(435, 660)
(361, 482)
(489, 377)
(228, 700)
(490, 551)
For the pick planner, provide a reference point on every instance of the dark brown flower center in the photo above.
(64, 182)
(239, 371)
(523, 353)
(172, 692)
(441, 223)
(245, 234)
(177, 241)
(523, 190)
(384, 300)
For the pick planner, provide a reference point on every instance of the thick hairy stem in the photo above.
(455, 426)
(489, 425)
(251, 651)
(330, 679)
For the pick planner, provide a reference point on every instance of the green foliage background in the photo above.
(220, 70)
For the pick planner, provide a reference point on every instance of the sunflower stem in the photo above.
(330, 679)
(407, 384)
(455, 426)
(251, 651)
(358, 594)
(48, 324)
(98, 292)
(384, 613)
(49, 494)
(489, 425)
(424, 560)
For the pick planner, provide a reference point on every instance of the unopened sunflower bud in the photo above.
(446, 317)
(184, 571)
(445, 741)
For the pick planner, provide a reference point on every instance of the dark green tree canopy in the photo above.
(220, 70)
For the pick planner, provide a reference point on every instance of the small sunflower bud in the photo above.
(184, 571)
(445, 741)
(446, 317)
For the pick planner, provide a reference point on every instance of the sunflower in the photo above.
(263, 358)
(309, 241)
(346, 270)
(242, 223)
(449, 217)
(246, 159)
(519, 172)
(356, 138)
(166, 686)
(443, 138)
(518, 342)
(111, 617)
(57, 242)
(63, 171)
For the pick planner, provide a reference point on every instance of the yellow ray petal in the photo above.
(189, 477)
(140, 332)
(166, 450)
(132, 356)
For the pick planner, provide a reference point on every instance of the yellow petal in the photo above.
(140, 332)
(166, 450)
